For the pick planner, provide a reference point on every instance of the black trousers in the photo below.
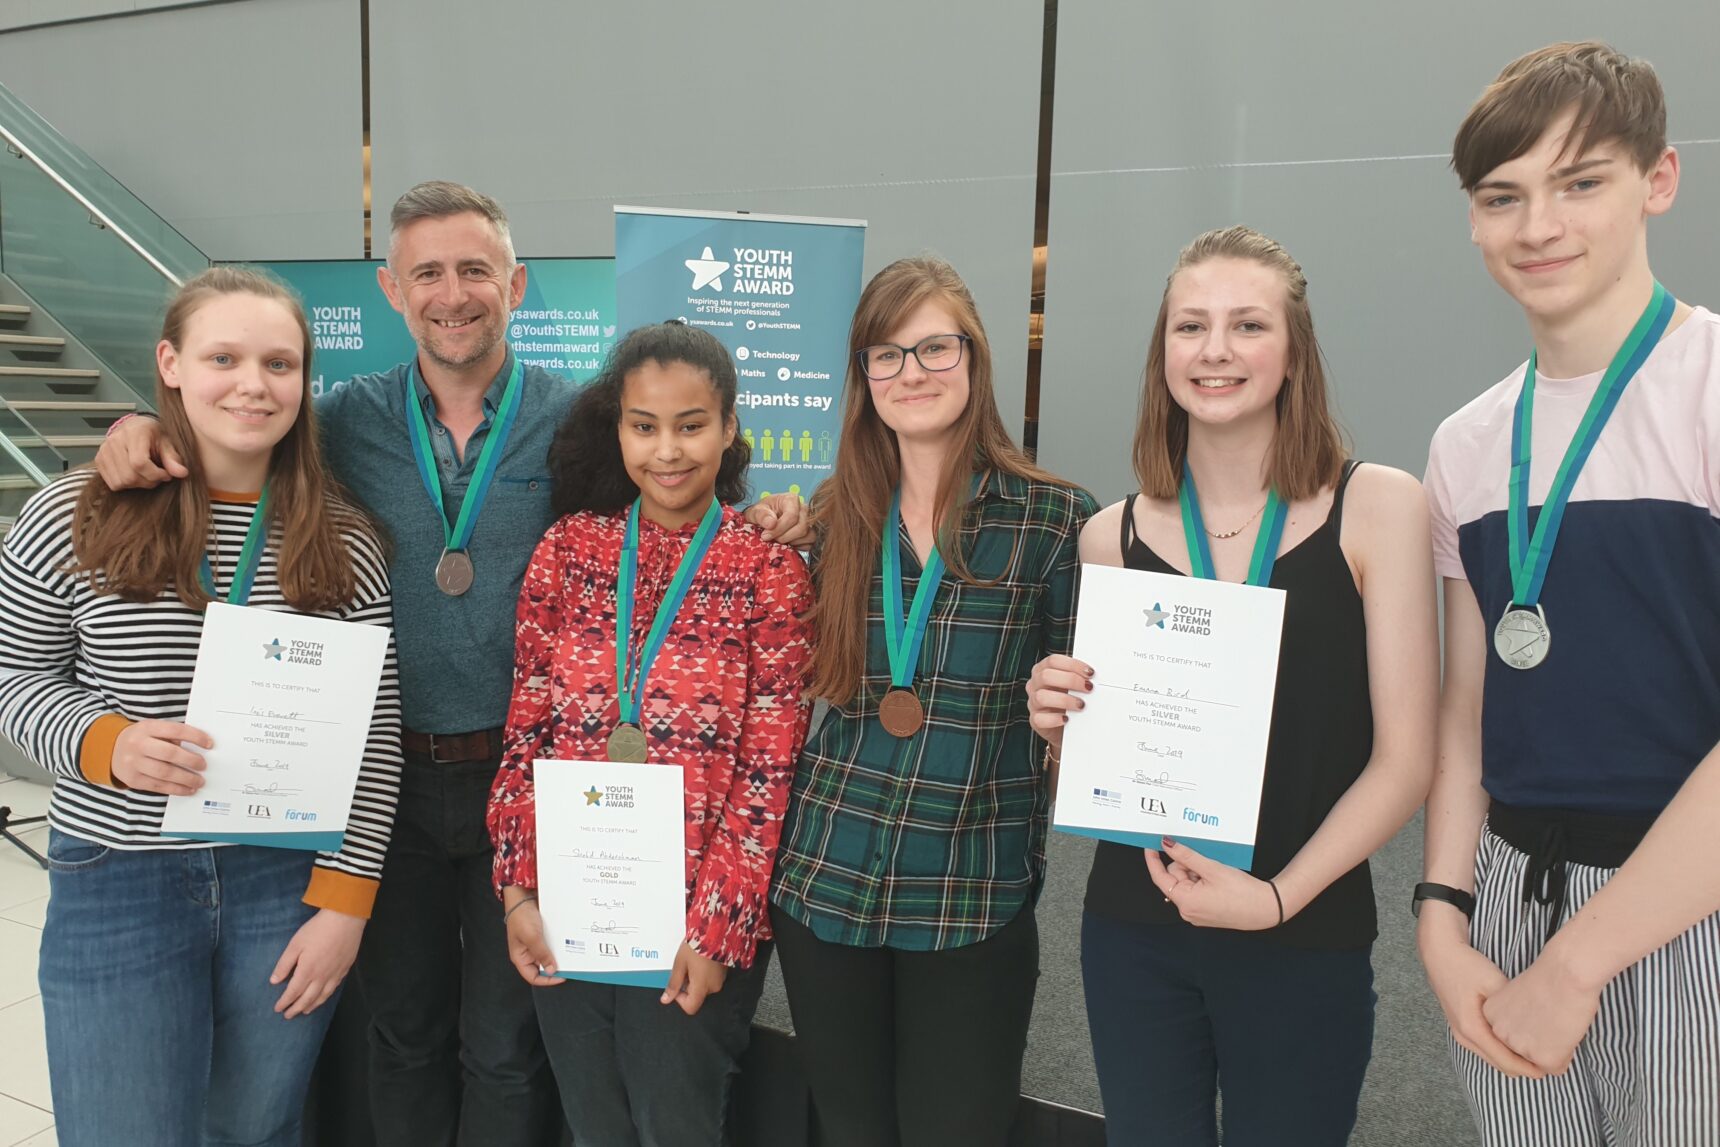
(911, 1049)
(455, 1055)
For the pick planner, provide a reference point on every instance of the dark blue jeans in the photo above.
(634, 1072)
(1180, 1014)
(455, 1055)
(155, 988)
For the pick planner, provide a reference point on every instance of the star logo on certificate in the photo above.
(594, 796)
(1155, 616)
(274, 649)
(707, 271)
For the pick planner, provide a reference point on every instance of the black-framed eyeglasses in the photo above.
(934, 353)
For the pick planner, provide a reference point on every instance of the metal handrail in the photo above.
(17, 145)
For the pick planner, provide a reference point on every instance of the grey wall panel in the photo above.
(240, 124)
(1327, 128)
(920, 119)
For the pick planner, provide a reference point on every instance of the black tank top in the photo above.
(1322, 735)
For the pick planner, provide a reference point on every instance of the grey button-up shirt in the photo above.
(456, 653)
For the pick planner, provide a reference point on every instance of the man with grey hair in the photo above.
(447, 451)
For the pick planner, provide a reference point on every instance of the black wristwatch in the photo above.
(1463, 901)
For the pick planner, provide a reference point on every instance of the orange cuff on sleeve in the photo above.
(354, 895)
(95, 755)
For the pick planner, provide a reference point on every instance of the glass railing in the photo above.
(84, 248)
(24, 451)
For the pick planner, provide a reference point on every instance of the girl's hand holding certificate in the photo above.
(151, 756)
(1211, 894)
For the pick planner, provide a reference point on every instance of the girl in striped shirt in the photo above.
(186, 986)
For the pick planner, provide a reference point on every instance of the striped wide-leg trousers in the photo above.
(1648, 1072)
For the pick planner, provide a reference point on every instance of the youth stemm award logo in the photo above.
(273, 650)
(593, 796)
(1179, 618)
(707, 271)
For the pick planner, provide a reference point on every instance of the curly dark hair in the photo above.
(585, 462)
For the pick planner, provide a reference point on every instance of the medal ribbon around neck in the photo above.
(1266, 542)
(250, 557)
(1530, 553)
(631, 671)
(457, 536)
(905, 631)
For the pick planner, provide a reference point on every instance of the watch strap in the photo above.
(1463, 901)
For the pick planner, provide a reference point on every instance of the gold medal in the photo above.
(627, 745)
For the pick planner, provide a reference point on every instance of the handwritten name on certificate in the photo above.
(612, 869)
(288, 701)
(1173, 739)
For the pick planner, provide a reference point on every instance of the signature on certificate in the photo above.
(1162, 781)
(270, 790)
(611, 928)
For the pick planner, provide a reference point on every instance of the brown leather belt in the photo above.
(454, 748)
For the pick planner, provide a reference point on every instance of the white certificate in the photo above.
(612, 869)
(288, 701)
(1173, 739)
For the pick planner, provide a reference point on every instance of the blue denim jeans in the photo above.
(155, 987)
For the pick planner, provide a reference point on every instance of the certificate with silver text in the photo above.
(612, 869)
(1172, 741)
(288, 701)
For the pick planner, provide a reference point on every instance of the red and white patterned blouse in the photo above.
(723, 700)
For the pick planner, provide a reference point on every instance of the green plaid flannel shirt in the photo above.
(938, 840)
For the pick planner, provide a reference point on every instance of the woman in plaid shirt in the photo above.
(914, 847)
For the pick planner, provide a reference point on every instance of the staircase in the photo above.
(56, 399)
(86, 269)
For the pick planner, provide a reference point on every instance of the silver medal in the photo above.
(1521, 637)
(454, 572)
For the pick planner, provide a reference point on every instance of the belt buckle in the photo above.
(435, 755)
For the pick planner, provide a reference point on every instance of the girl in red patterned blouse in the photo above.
(722, 699)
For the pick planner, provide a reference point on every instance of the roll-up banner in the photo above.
(566, 322)
(779, 292)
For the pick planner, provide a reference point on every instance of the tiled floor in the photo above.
(26, 1116)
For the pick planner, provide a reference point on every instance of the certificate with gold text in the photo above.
(1172, 741)
(612, 869)
(288, 701)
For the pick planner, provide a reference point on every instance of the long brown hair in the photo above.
(1308, 447)
(135, 543)
(849, 508)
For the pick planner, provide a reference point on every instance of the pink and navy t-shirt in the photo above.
(1627, 702)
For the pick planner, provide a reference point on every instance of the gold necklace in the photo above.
(1239, 529)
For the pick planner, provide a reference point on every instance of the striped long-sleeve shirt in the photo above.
(76, 668)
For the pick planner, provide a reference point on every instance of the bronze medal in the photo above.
(901, 713)
(627, 745)
(454, 572)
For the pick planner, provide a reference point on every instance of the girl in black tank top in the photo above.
(1197, 973)
(1322, 735)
